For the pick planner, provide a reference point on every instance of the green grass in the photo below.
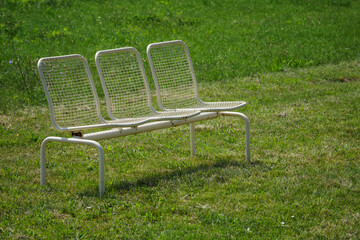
(296, 64)
(303, 181)
(227, 39)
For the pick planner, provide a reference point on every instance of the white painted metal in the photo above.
(70, 92)
(72, 97)
(192, 139)
(176, 84)
(119, 132)
(74, 106)
(75, 141)
(247, 129)
(126, 88)
(88, 139)
(147, 127)
(175, 80)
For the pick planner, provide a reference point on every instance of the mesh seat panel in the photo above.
(126, 89)
(173, 114)
(68, 85)
(122, 79)
(129, 121)
(175, 80)
(218, 106)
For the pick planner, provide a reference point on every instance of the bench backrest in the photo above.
(124, 82)
(70, 92)
(173, 73)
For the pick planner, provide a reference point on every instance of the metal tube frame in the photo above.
(75, 141)
(247, 130)
(192, 139)
(90, 139)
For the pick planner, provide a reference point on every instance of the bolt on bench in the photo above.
(74, 104)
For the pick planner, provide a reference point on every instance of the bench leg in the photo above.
(192, 139)
(75, 141)
(247, 129)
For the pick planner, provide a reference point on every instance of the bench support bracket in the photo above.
(247, 130)
(75, 141)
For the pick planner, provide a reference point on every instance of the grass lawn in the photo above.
(303, 181)
(227, 39)
(296, 64)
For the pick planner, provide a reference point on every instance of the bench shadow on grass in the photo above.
(154, 179)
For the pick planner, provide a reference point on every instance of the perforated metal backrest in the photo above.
(124, 81)
(70, 91)
(173, 73)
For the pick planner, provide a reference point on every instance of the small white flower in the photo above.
(282, 223)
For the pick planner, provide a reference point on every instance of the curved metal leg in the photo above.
(192, 139)
(75, 141)
(247, 129)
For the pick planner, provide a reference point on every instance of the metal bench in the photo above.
(176, 85)
(74, 104)
(74, 107)
(126, 88)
